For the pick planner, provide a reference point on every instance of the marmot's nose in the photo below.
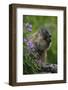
(49, 40)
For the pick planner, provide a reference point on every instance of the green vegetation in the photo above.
(50, 22)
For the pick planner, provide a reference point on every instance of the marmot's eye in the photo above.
(50, 35)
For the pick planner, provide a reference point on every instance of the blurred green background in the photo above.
(50, 22)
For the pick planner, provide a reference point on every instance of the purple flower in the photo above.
(24, 40)
(30, 44)
(29, 27)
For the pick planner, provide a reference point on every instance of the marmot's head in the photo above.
(42, 39)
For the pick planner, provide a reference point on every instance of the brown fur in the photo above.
(37, 38)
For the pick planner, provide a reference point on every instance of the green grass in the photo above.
(49, 22)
